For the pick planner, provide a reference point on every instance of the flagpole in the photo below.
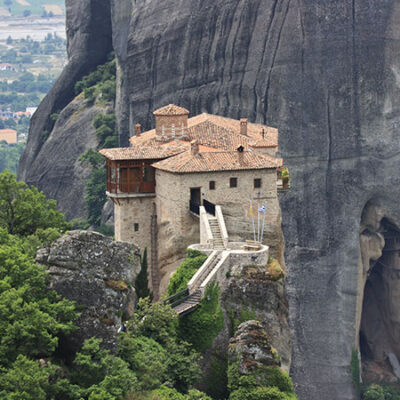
(262, 229)
(258, 220)
(252, 219)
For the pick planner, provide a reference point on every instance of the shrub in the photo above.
(147, 358)
(260, 393)
(24, 209)
(374, 392)
(179, 280)
(355, 370)
(142, 282)
(202, 326)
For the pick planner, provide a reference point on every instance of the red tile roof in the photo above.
(217, 161)
(171, 109)
(218, 138)
(149, 150)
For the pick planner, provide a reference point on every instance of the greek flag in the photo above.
(262, 209)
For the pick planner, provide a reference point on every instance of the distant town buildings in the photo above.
(7, 113)
(31, 110)
(8, 135)
(7, 67)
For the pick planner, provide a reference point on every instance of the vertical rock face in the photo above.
(88, 24)
(327, 74)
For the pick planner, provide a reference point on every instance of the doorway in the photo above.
(195, 196)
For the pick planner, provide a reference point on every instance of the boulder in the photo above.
(252, 348)
(98, 274)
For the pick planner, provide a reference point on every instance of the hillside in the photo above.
(19, 8)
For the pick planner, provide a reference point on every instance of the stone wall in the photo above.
(170, 125)
(178, 228)
(131, 211)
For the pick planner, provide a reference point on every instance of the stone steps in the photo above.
(217, 237)
(190, 303)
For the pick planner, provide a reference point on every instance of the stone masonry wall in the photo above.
(178, 228)
(167, 121)
(131, 211)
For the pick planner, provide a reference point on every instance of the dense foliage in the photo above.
(381, 392)
(151, 361)
(28, 83)
(202, 326)
(99, 82)
(193, 261)
(264, 383)
(142, 282)
(23, 210)
(95, 196)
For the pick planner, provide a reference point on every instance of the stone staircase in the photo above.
(190, 303)
(192, 300)
(218, 243)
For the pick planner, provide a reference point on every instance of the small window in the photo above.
(233, 182)
(212, 185)
(257, 183)
(136, 227)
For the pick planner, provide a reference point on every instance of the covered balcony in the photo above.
(130, 177)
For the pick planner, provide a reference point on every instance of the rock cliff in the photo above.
(327, 73)
(98, 274)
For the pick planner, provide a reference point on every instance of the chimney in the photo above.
(240, 151)
(194, 147)
(138, 129)
(243, 126)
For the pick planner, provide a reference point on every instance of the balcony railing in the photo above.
(131, 187)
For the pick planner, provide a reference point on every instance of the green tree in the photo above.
(23, 210)
(25, 380)
(202, 326)
(147, 358)
(31, 316)
(160, 323)
(102, 375)
(142, 282)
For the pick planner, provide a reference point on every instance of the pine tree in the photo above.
(142, 283)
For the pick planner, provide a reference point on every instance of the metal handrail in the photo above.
(181, 296)
(194, 207)
(210, 207)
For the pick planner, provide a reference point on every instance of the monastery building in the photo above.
(192, 180)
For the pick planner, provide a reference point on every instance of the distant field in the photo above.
(35, 7)
(23, 2)
(54, 8)
(4, 12)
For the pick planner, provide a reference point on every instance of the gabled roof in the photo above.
(217, 161)
(171, 109)
(254, 131)
(149, 150)
(207, 128)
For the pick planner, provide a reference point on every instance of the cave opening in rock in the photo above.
(379, 338)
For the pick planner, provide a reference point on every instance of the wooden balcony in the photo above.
(130, 178)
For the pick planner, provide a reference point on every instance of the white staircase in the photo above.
(213, 231)
(218, 242)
